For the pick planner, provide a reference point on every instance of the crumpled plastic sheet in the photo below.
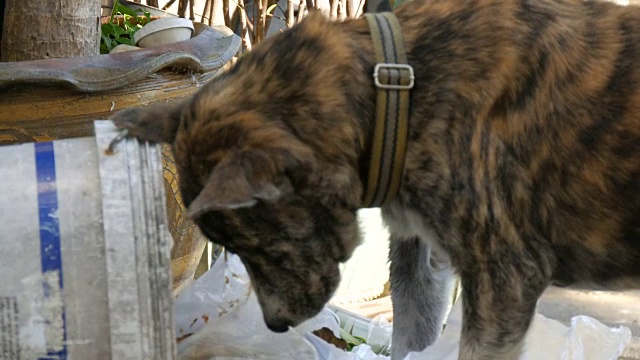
(218, 317)
(547, 339)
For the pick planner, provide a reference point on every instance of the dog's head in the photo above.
(269, 167)
(253, 187)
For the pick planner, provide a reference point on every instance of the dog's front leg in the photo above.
(499, 297)
(421, 283)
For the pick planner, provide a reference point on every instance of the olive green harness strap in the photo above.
(393, 79)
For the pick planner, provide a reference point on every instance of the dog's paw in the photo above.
(154, 123)
(135, 123)
(131, 123)
(122, 134)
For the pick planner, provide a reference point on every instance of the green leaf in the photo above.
(131, 26)
(106, 29)
(113, 33)
(127, 41)
(118, 31)
(106, 41)
(129, 20)
(350, 339)
(270, 8)
(124, 10)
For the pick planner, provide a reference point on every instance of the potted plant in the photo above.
(120, 27)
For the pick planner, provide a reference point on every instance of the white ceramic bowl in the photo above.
(164, 31)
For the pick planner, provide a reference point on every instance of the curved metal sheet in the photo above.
(209, 50)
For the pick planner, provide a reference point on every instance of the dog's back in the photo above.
(522, 165)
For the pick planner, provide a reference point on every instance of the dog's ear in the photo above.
(247, 176)
(237, 181)
(156, 123)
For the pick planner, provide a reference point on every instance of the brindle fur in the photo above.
(522, 168)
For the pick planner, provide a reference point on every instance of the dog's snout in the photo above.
(278, 325)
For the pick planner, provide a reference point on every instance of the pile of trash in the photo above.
(218, 317)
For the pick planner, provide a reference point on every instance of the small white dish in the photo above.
(163, 31)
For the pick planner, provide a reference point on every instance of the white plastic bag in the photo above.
(547, 339)
(218, 317)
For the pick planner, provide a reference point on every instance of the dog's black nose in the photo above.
(278, 326)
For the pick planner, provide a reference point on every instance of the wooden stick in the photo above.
(262, 20)
(227, 15)
(349, 6)
(301, 9)
(182, 8)
(290, 16)
(205, 11)
(360, 8)
(333, 10)
(168, 5)
(192, 13)
(310, 5)
(212, 12)
(243, 25)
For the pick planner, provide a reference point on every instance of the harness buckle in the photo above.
(392, 73)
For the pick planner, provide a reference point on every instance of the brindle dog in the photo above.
(522, 168)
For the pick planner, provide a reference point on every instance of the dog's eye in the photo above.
(209, 233)
(220, 240)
